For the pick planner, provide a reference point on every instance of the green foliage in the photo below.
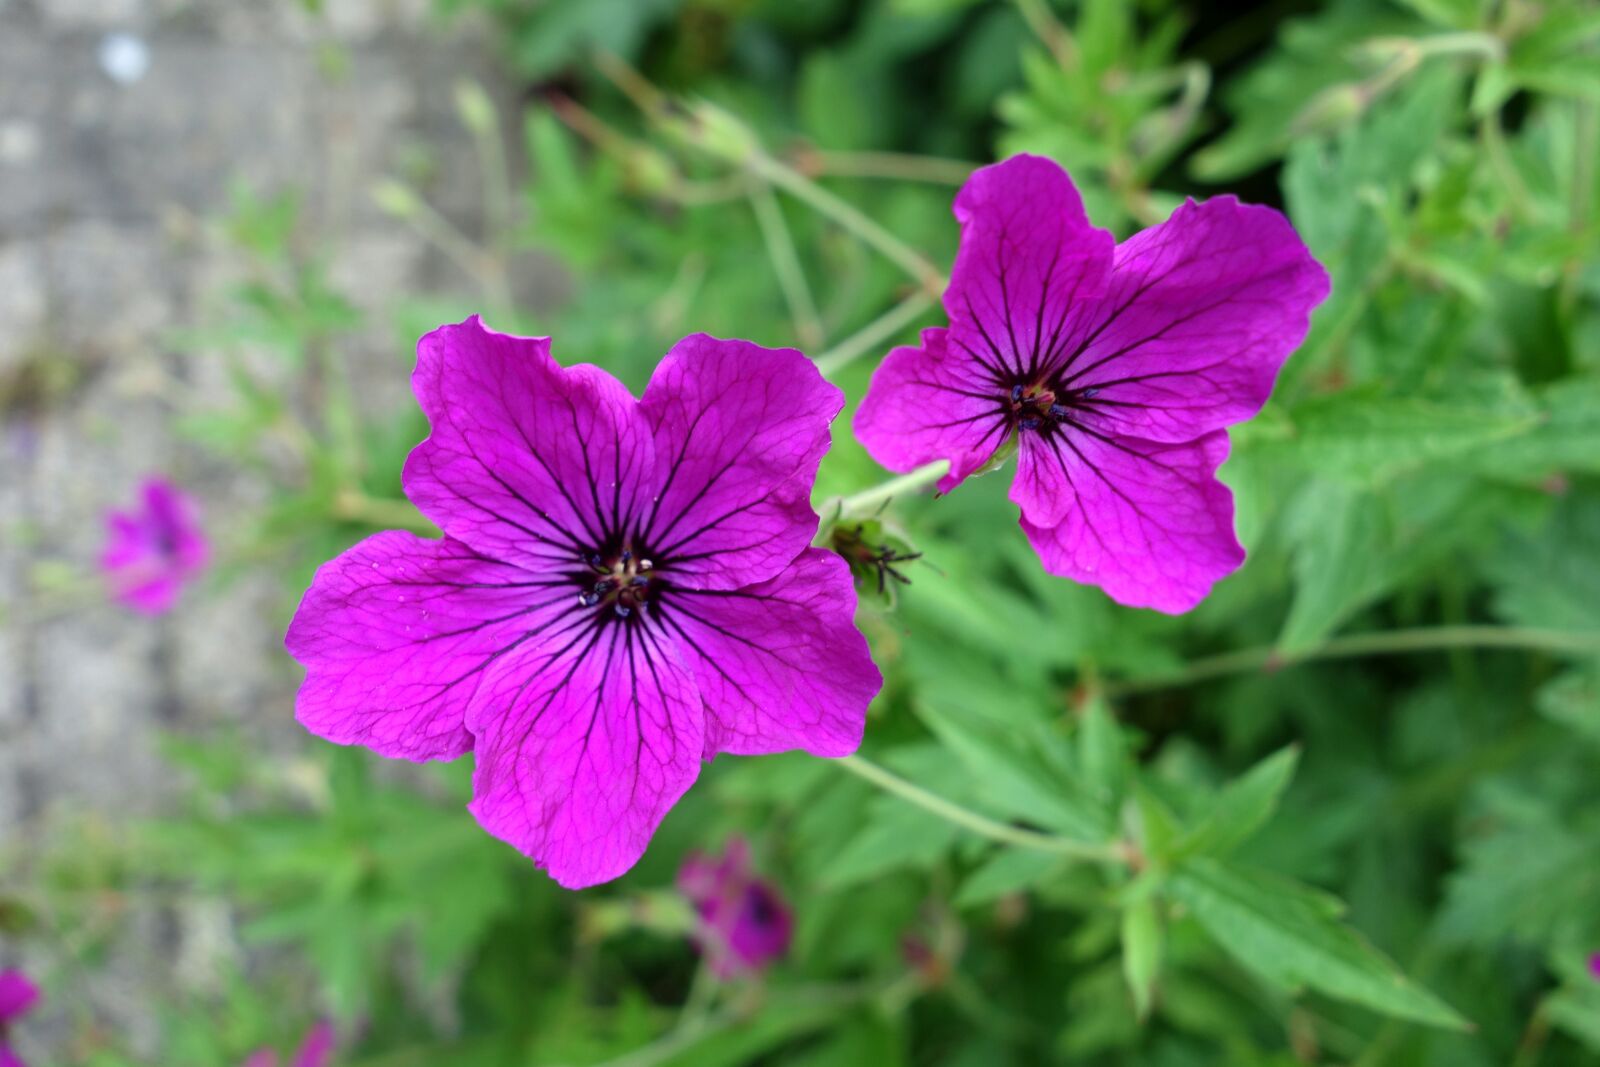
(1344, 812)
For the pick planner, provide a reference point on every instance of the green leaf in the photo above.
(1019, 775)
(1242, 807)
(897, 834)
(1102, 755)
(1010, 870)
(1363, 438)
(1141, 951)
(1564, 438)
(1290, 936)
(1550, 577)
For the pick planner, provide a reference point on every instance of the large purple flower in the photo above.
(1116, 367)
(624, 589)
(744, 922)
(18, 996)
(153, 549)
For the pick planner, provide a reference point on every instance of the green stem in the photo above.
(874, 333)
(351, 506)
(786, 264)
(867, 499)
(1385, 643)
(889, 782)
(850, 218)
(893, 165)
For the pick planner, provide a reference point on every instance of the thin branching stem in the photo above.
(889, 782)
(1353, 646)
(786, 264)
(874, 334)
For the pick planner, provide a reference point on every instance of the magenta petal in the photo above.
(932, 403)
(317, 1049)
(739, 432)
(1202, 312)
(580, 759)
(152, 551)
(396, 635)
(1028, 258)
(9, 1057)
(1149, 523)
(527, 462)
(780, 665)
(18, 995)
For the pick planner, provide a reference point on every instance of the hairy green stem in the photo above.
(874, 333)
(867, 499)
(850, 218)
(892, 165)
(1108, 852)
(1384, 643)
(786, 264)
(352, 506)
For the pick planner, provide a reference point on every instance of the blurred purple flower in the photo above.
(18, 995)
(153, 549)
(625, 588)
(744, 923)
(315, 1051)
(1115, 367)
(1594, 965)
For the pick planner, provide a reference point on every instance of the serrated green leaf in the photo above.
(1284, 933)
(1141, 952)
(1242, 807)
(1102, 755)
(1007, 871)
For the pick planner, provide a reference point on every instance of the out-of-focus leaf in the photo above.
(1010, 870)
(1291, 937)
(1141, 951)
(1242, 807)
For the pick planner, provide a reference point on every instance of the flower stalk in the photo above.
(1108, 852)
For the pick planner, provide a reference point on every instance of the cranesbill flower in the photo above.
(315, 1051)
(18, 995)
(624, 589)
(744, 923)
(154, 549)
(1113, 367)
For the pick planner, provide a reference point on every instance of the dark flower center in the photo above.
(1044, 405)
(621, 582)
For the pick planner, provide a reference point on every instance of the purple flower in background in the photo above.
(1116, 367)
(1594, 965)
(315, 1051)
(624, 589)
(154, 548)
(744, 923)
(18, 995)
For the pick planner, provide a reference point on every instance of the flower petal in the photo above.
(739, 432)
(579, 759)
(396, 635)
(1029, 260)
(780, 665)
(18, 995)
(931, 403)
(527, 462)
(1201, 314)
(1148, 522)
(317, 1049)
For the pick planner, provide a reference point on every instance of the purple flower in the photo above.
(1114, 367)
(153, 549)
(18, 996)
(744, 923)
(624, 589)
(315, 1051)
(1594, 966)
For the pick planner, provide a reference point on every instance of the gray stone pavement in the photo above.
(105, 190)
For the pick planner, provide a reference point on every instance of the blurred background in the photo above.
(223, 225)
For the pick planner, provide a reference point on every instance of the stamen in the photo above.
(1030, 423)
(622, 610)
(1090, 394)
(1016, 393)
(1057, 411)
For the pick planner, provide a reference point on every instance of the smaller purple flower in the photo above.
(18, 996)
(744, 923)
(153, 549)
(1115, 368)
(1594, 966)
(315, 1051)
